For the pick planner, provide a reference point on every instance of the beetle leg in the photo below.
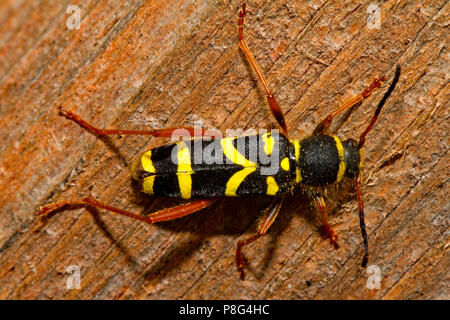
(165, 132)
(267, 220)
(158, 216)
(328, 228)
(273, 104)
(356, 100)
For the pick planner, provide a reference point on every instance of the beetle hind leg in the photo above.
(165, 132)
(158, 216)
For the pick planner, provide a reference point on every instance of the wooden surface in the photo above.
(139, 64)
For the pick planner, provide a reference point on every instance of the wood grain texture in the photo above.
(141, 64)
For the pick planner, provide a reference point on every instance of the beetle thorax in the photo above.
(324, 159)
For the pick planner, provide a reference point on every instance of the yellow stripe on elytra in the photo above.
(269, 143)
(233, 154)
(236, 179)
(298, 175)
(147, 163)
(272, 186)
(184, 170)
(342, 163)
(148, 183)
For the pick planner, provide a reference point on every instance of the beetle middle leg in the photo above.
(273, 104)
(267, 220)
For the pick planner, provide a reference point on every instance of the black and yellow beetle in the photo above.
(313, 163)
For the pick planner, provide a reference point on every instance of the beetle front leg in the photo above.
(358, 99)
(328, 228)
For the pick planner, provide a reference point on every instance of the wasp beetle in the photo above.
(313, 163)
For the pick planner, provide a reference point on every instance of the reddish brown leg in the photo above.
(158, 216)
(328, 228)
(166, 132)
(376, 83)
(273, 104)
(269, 217)
(361, 219)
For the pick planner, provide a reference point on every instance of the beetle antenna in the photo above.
(361, 218)
(362, 138)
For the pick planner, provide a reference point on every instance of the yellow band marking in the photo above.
(285, 164)
(298, 176)
(148, 183)
(272, 186)
(184, 170)
(342, 163)
(235, 181)
(147, 163)
(269, 143)
(233, 154)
